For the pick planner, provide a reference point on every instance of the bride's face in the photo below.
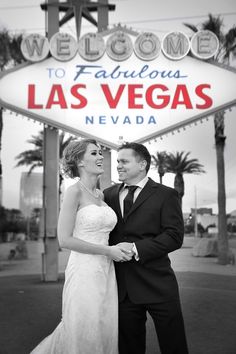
(92, 162)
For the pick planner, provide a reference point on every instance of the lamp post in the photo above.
(195, 212)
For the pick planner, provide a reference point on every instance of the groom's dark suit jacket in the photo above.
(155, 224)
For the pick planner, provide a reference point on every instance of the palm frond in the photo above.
(230, 43)
(34, 165)
(36, 140)
(215, 25)
(34, 157)
(15, 50)
(190, 26)
(160, 158)
(227, 41)
(28, 157)
(179, 163)
(5, 55)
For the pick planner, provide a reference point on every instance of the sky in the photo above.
(159, 18)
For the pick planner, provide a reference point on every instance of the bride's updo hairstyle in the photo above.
(72, 154)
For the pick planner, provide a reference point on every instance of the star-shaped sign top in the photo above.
(79, 9)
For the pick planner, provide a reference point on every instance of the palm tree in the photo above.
(10, 53)
(4, 59)
(159, 162)
(34, 157)
(227, 50)
(178, 163)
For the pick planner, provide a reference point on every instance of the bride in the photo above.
(89, 302)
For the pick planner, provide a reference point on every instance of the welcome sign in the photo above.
(130, 88)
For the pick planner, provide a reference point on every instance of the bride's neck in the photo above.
(89, 181)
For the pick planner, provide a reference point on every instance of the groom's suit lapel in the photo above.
(117, 199)
(145, 193)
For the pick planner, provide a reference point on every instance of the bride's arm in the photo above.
(65, 229)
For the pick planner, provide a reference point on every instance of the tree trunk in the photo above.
(161, 172)
(223, 246)
(179, 185)
(1, 127)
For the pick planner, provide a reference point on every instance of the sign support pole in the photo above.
(102, 26)
(51, 177)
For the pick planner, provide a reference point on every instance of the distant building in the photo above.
(202, 211)
(232, 218)
(206, 220)
(205, 217)
(31, 192)
(13, 215)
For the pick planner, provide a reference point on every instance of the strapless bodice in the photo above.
(94, 223)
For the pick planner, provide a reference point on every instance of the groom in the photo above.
(150, 225)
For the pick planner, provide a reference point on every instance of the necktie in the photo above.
(128, 201)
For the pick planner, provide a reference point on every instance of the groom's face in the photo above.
(131, 168)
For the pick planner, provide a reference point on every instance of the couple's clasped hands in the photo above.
(122, 252)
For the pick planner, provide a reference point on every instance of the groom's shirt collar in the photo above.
(140, 184)
(124, 191)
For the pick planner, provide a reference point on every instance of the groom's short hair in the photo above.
(139, 150)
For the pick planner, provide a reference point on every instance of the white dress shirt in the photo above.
(124, 192)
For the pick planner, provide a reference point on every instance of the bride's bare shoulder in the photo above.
(73, 191)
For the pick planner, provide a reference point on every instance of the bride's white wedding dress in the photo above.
(89, 322)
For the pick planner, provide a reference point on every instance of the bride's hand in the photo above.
(117, 255)
(126, 247)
